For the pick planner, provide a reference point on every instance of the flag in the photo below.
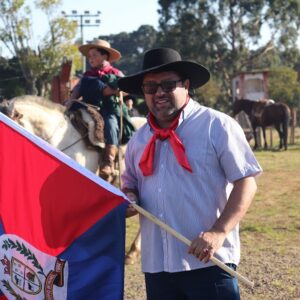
(62, 229)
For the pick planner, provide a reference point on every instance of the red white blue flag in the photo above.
(62, 229)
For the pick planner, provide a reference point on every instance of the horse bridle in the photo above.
(16, 116)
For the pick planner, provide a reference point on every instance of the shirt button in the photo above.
(159, 189)
(162, 166)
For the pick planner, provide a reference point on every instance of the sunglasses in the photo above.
(167, 86)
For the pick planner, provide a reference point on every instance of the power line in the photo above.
(83, 20)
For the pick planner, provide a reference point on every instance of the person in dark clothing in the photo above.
(130, 101)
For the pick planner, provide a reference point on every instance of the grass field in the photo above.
(270, 232)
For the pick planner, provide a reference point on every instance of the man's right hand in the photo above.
(131, 211)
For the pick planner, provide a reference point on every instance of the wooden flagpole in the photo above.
(188, 242)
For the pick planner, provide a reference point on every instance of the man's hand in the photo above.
(206, 244)
(131, 211)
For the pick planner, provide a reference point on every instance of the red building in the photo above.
(250, 85)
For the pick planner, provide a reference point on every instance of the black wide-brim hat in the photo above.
(164, 59)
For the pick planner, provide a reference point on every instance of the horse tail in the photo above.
(285, 124)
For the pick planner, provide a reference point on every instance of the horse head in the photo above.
(236, 107)
(8, 109)
(4, 106)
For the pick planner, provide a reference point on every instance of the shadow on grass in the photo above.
(293, 147)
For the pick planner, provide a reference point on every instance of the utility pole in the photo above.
(83, 20)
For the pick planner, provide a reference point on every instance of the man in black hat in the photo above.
(191, 167)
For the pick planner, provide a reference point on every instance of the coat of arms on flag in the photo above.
(30, 272)
(62, 229)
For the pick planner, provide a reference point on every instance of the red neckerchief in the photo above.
(107, 69)
(146, 162)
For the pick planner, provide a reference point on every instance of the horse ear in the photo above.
(16, 116)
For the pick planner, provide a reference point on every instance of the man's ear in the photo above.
(187, 84)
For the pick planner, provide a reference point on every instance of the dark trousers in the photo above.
(111, 128)
(210, 283)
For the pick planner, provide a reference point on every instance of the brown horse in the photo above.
(264, 113)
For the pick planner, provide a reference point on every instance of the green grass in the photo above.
(132, 226)
(270, 232)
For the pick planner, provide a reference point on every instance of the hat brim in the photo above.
(196, 73)
(114, 54)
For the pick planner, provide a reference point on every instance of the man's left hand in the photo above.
(206, 244)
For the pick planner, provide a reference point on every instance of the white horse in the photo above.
(48, 120)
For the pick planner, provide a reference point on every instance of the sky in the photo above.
(116, 15)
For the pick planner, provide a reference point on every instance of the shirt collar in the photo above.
(186, 111)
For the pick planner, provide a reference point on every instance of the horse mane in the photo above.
(40, 101)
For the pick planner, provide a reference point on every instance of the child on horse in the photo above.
(98, 87)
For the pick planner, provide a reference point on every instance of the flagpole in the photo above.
(188, 242)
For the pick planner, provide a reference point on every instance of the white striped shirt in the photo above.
(189, 202)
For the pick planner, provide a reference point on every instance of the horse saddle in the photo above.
(90, 124)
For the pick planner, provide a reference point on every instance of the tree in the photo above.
(38, 65)
(12, 82)
(227, 34)
(132, 46)
(284, 86)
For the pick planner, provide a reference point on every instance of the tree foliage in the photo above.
(132, 46)
(37, 64)
(12, 82)
(227, 34)
(284, 86)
